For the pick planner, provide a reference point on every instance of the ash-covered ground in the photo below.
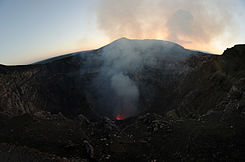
(132, 100)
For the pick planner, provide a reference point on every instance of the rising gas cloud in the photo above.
(118, 92)
(192, 23)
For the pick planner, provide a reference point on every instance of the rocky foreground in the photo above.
(191, 109)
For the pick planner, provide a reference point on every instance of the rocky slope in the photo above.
(77, 83)
(177, 105)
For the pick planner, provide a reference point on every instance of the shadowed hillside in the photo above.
(171, 104)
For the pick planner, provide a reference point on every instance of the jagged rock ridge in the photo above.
(189, 109)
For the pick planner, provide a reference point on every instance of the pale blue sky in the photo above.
(32, 30)
(35, 29)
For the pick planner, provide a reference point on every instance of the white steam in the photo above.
(126, 92)
(193, 23)
(122, 61)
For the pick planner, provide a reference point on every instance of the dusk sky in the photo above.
(32, 30)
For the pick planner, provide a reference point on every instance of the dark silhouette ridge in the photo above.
(187, 105)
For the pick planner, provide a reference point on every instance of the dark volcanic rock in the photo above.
(188, 109)
(56, 87)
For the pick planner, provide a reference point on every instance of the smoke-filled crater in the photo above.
(131, 76)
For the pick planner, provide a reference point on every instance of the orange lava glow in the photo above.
(121, 117)
(118, 117)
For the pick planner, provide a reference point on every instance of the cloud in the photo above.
(180, 23)
(116, 86)
(192, 23)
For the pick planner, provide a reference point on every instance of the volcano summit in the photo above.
(131, 100)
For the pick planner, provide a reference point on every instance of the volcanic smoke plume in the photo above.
(192, 23)
(118, 93)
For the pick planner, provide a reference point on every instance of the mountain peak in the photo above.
(143, 43)
(122, 39)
